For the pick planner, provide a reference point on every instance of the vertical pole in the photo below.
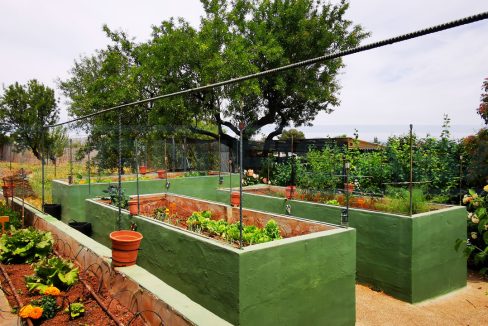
(10, 155)
(42, 166)
(241, 127)
(174, 153)
(89, 172)
(460, 180)
(411, 170)
(120, 173)
(137, 176)
(220, 159)
(70, 161)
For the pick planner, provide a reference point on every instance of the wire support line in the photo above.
(362, 48)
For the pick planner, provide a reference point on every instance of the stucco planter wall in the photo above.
(307, 279)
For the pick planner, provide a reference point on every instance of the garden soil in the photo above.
(467, 306)
(94, 314)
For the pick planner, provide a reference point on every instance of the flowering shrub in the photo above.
(477, 241)
(250, 178)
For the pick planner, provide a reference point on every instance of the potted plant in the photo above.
(235, 198)
(132, 207)
(125, 246)
(161, 174)
(143, 169)
(290, 191)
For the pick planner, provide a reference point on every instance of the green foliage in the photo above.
(202, 222)
(397, 200)
(113, 195)
(24, 110)
(324, 168)
(75, 310)
(53, 271)
(292, 133)
(14, 217)
(477, 232)
(48, 305)
(234, 38)
(483, 108)
(333, 202)
(25, 245)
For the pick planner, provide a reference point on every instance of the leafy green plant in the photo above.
(53, 271)
(201, 221)
(48, 305)
(113, 195)
(25, 245)
(398, 201)
(14, 217)
(333, 202)
(75, 310)
(476, 244)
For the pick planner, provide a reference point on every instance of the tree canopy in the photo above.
(292, 133)
(483, 108)
(234, 38)
(24, 110)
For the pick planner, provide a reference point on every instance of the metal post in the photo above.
(241, 127)
(460, 180)
(119, 219)
(89, 172)
(230, 181)
(70, 179)
(174, 153)
(411, 170)
(137, 175)
(10, 156)
(42, 166)
(345, 213)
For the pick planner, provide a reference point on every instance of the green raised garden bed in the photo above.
(307, 279)
(411, 258)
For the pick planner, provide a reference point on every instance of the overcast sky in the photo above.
(383, 91)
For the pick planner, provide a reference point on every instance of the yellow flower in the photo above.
(467, 199)
(474, 235)
(166, 211)
(36, 313)
(485, 188)
(52, 290)
(25, 311)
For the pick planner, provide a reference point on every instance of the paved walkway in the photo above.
(6, 317)
(467, 306)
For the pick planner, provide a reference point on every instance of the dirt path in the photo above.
(467, 306)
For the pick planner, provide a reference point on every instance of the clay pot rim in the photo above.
(137, 235)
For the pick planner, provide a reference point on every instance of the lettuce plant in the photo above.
(53, 271)
(25, 245)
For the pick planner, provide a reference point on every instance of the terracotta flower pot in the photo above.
(290, 191)
(235, 198)
(132, 207)
(142, 169)
(349, 187)
(125, 246)
(161, 174)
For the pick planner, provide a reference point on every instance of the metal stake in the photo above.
(411, 170)
(241, 127)
(89, 172)
(119, 219)
(42, 164)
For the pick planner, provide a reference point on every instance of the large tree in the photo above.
(24, 110)
(234, 38)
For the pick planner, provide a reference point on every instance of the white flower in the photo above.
(475, 219)
(269, 182)
(474, 235)
(255, 176)
(470, 215)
